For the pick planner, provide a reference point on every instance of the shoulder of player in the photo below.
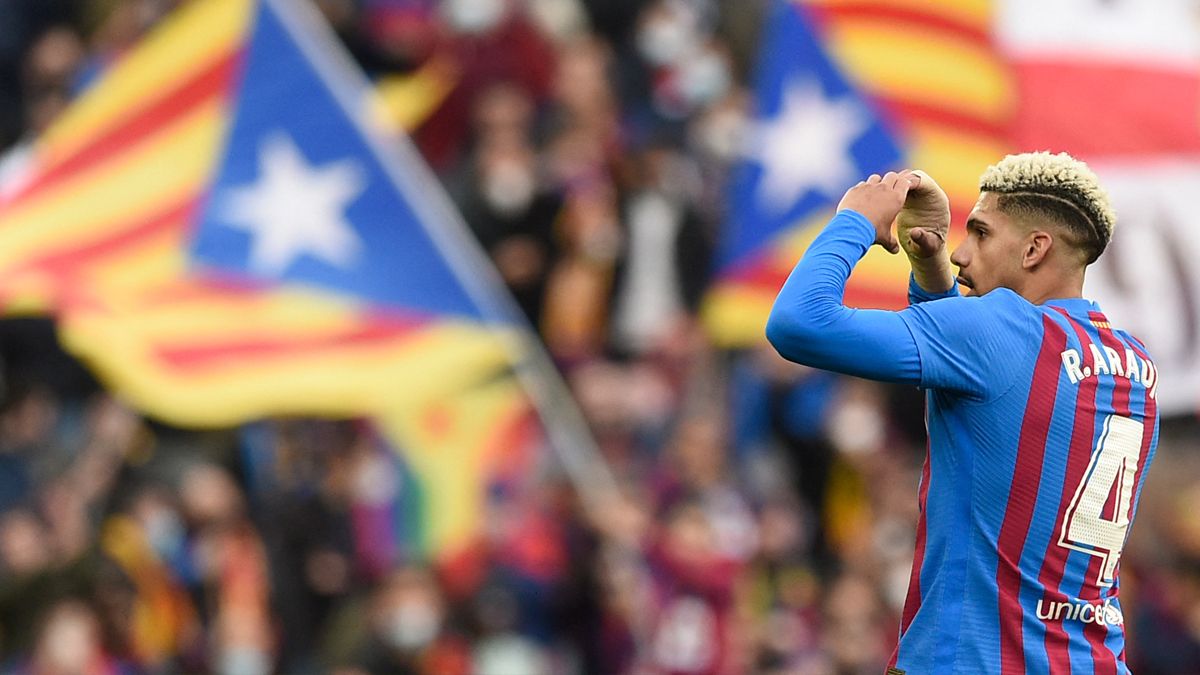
(1000, 318)
(1006, 296)
(1015, 307)
(1005, 306)
(1133, 340)
(969, 307)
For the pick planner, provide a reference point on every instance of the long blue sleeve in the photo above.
(810, 325)
(917, 295)
(941, 341)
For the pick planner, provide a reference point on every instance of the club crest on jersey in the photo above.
(1105, 360)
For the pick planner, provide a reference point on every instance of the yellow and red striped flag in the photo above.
(223, 234)
(225, 227)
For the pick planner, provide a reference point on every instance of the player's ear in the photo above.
(1036, 247)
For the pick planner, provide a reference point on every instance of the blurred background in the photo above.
(642, 174)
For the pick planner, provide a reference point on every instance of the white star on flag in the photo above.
(295, 208)
(806, 146)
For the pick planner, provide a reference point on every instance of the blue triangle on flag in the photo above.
(813, 135)
(302, 195)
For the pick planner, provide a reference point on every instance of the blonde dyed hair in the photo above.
(1057, 186)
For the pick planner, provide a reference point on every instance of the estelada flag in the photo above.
(223, 232)
(844, 89)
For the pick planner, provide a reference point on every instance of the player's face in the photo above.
(990, 256)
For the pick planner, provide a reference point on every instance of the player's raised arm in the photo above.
(946, 345)
(809, 324)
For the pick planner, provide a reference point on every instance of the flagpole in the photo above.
(564, 422)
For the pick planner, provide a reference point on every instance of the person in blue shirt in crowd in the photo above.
(1042, 416)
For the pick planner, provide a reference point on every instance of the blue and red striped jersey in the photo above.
(1030, 484)
(1042, 422)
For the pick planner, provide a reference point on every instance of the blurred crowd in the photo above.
(767, 512)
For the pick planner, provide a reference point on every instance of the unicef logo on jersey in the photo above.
(1105, 613)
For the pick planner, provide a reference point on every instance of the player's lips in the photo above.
(963, 281)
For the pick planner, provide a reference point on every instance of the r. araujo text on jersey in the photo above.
(1109, 361)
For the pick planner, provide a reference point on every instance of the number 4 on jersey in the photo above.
(1098, 517)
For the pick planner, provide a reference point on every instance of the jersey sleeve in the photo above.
(810, 325)
(917, 295)
(957, 344)
(965, 342)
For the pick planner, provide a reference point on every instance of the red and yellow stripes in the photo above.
(98, 235)
(934, 66)
(174, 351)
(186, 44)
(116, 179)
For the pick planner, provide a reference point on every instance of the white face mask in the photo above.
(69, 641)
(473, 16)
(412, 625)
(243, 660)
(663, 41)
(704, 78)
(508, 189)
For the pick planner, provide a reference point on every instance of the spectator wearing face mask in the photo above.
(408, 631)
(483, 41)
(663, 268)
(676, 67)
(70, 642)
(502, 198)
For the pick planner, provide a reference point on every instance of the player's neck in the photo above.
(1044, 286)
